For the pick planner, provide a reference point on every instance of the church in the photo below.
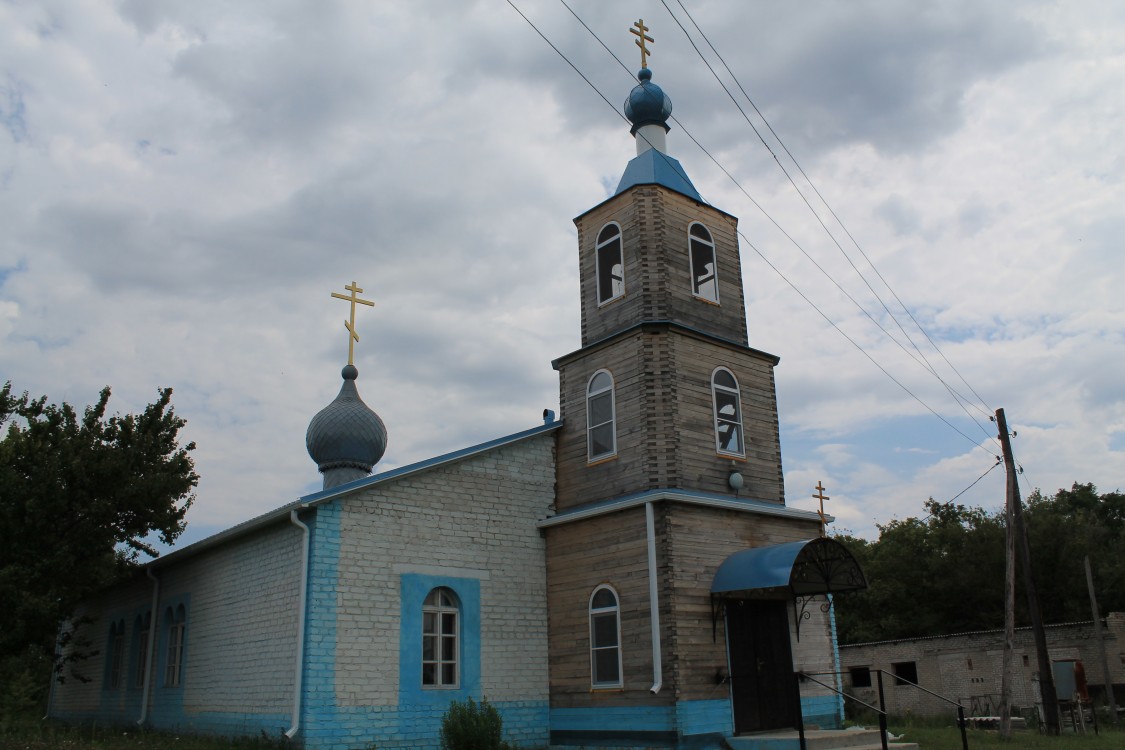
(626, 575)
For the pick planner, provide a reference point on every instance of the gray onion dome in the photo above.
(346, 438)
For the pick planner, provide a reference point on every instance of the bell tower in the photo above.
(668, 463)
(665, 392)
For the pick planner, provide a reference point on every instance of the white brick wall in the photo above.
(967, 667)
(474, 519)
(241, 637)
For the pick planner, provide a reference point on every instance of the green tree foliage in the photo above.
(1062, 530)
(944, 573)
(79, 495)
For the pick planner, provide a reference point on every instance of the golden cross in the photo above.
(821, 497)
(639, 30)
(350, 324)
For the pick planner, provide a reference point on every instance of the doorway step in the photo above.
(816, 739)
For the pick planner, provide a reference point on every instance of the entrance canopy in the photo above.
(808, 568)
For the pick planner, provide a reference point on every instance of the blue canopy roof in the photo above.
(656, 168)
(814, 566)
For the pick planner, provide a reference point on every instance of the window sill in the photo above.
(712, 302)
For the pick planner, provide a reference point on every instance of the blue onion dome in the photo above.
(346, 434)
(647, 103)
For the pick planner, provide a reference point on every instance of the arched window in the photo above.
(728, 413)
(140, 635)
(116, 654)
(605, 638)
(610, 264)
(704, 270)
(440, 639)
(174, 663)
(601, 428)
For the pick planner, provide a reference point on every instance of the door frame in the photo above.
(781, 605)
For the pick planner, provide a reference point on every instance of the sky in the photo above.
(184, 184)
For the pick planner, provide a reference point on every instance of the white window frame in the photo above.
(144, 622)
(612, 421)
(722, 419)
(174, 664)
(600, 246)
(117, 654)
(439, 610)
(615, 611)
(695, 279)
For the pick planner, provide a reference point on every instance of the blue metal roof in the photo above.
(813, 566)
(279, 514)
(656, 168)
(429, 463)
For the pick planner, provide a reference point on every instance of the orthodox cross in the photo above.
(350, 323)
(639, 30)
(821, 497)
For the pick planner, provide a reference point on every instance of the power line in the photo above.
(922, 363)
(764, 212)
(958, 398)
(982, 476)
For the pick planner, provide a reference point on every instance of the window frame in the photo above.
(439, 610)
(719, 419)
(600, 245)
(142, 628)
(174, 647)
(615, 611)
(694, 279)
(611, 389)
(116, 660)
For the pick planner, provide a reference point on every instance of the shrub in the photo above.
(472, 726)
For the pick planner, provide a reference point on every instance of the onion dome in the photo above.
(647, 103)
(346, 438)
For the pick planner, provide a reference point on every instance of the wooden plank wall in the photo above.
(654, 223)
(665, 419)
(696, 541)
(580, 556)
(692, 542)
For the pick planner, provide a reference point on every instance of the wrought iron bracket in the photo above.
(803, 613)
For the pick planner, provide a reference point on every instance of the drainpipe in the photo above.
(150, 646)
(653, 602)
(298, 680)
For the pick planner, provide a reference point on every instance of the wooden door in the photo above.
(763, 691)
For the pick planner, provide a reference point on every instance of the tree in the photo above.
(1062, 530)
(944, 573)
(79, 496)
(927, 576)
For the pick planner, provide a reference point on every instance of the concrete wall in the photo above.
(967, 667)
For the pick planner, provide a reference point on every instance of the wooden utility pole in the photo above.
(1101, 645)
(1009, 614)
(1035, 612)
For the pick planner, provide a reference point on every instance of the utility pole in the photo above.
(1101, 645)
(1009, 615)
(1035, 612)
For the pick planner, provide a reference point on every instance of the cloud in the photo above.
(184, 184)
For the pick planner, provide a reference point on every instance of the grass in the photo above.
(41, 735)
(949, 738)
